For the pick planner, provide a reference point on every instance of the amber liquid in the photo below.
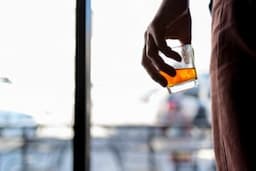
(182, 75)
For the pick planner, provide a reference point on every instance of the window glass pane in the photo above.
(37, 49)
(136, 124)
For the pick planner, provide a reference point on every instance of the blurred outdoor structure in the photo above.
(135, 124)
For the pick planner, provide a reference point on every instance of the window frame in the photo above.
(81, 140)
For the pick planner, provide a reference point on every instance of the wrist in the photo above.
(170, 10)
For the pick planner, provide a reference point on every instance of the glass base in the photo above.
(182, 86)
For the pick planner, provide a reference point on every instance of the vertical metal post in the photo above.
(81, 141)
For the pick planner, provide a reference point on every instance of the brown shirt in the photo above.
(233, 88)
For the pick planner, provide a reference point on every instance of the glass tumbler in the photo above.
(186, 75)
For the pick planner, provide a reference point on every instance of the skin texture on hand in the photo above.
(172, 21)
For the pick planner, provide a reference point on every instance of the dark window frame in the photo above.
(81, 140)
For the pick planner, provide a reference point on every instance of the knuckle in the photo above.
(150, 53)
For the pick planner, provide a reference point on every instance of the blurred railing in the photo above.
(130, 147)
(142, 147)
(21, 149)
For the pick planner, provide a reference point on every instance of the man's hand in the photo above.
(168, 24)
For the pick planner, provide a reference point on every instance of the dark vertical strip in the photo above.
(81, 118)
(88, 80)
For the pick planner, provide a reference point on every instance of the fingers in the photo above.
(153, 63)
(152, 54)
(152, 71)
(166, 50)
(160, 42)
(174, 55)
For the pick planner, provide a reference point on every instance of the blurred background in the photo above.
(37, 51)
(135, 124)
